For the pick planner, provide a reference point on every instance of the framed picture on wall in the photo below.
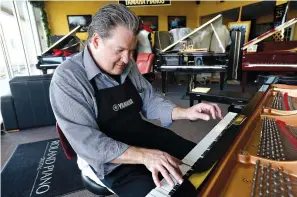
(82, 20)
(176, 22)
(242, 25)
(150, 21)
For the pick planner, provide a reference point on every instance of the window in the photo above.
(4, 74)
(12, 39)
(20, 42)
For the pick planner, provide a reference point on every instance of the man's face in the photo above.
(114, 53)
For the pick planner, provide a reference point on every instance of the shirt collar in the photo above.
(92, 69)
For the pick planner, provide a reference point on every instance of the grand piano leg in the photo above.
(222, 79)
(243, 81)
(164, 76)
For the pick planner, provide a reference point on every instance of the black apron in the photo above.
(119, 118)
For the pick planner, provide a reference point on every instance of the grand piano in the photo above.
(269, 56)
(250, 153)
(63, 49)
(192, 59)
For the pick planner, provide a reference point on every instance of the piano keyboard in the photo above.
(193, 156)
(272, 65)
(194, 67)
(49, 65)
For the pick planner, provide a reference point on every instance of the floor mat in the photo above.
(40, 169)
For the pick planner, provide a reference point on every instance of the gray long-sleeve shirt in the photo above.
(74, 104)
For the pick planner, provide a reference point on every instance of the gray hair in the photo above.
(111, 16)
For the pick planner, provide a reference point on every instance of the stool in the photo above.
(71, 154)
(93, 187)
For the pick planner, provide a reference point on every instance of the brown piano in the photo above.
(250, 153)
(263, 159)
(270, 56)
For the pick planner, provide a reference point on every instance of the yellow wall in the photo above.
(58, 11)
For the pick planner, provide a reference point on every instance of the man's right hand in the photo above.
(157, 161)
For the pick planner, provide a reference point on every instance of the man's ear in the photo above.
(96, 40)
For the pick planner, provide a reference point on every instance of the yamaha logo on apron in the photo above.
(117, 107)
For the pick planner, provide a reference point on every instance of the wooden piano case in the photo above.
(235, 173)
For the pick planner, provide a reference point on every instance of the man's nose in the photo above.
(125, 58)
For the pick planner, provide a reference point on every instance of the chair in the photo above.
(71, 154)
(144, 63)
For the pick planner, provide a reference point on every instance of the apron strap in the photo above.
(93, 82)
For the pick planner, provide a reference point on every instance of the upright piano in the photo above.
(251, 153)
(65, 48)
(269, 56)
(191, 59)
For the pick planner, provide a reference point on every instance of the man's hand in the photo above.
(157, 161)
(203, 111)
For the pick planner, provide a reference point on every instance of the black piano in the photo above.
(192, 61)
(63, 49)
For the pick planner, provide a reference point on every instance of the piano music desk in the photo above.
(190, 71)
(225, 97)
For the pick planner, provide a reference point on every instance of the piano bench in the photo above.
(95, 188)
(224, 97)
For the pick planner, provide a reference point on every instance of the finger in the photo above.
(212, 111)
(166, 175)
(209, 109)
(218, 110)
(175, 172)
(203, 116)
(156, 178)
(173, 161)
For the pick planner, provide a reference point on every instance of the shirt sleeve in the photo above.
(154, 106)
(77, 120)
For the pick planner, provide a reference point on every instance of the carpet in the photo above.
(40, 169)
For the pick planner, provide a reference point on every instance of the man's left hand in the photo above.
(204, 111)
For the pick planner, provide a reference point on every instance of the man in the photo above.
(96, 97)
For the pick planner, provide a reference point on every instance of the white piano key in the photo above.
(203, 145)
(272, 65)
(194, 67)
(184, 168)
(162, 190)
(149, 195)
(155, 193)
(166, 186)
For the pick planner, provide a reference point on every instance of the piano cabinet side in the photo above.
(221, 177)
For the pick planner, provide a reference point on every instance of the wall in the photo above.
(206, 8)
(269, 18)
(211, 7)
(58, 11)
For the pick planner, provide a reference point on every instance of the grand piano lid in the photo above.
(62, 40)
(269, 33)
(211, 23)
